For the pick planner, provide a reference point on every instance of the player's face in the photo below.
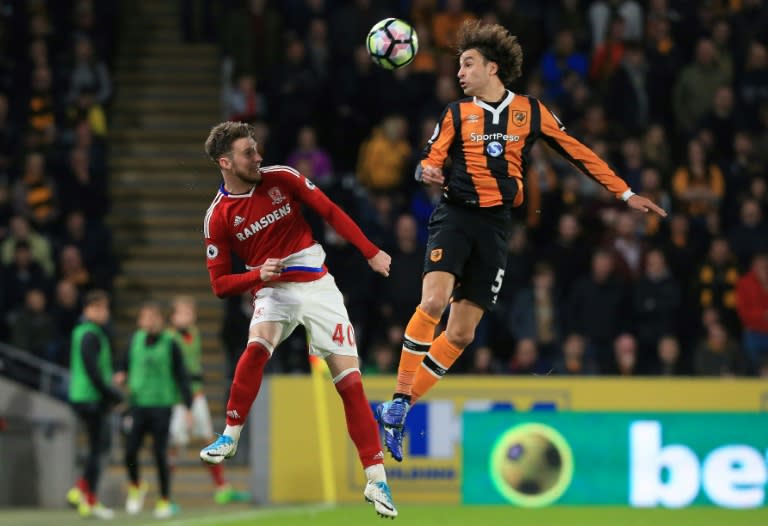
(246, 161)
(150, 320)
(183, 315)
(474, 72)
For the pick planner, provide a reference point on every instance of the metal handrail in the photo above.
(48, 371)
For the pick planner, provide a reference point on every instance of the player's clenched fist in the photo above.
(380, 263)
(271, 269)
(432, 175)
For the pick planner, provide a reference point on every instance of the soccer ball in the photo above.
(532, 464)
(392, 43)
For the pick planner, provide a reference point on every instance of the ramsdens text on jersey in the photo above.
(263, 222)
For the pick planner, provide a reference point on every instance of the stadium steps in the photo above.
(167, 96)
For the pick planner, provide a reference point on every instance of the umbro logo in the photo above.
(473, 117)
(239, 220)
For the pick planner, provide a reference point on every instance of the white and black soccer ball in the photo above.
(392, 43)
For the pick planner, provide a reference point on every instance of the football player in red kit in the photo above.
(256, 214)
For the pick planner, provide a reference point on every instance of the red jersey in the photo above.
(267, 223)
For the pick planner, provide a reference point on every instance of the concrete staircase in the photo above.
(167, 98)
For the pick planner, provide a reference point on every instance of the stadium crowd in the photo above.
(55, 93)
(673, 94)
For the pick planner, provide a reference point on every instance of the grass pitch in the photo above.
(410, 515)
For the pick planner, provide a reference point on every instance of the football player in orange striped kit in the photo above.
(488, 136)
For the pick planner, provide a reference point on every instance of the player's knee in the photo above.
(460, 337)
(434, 304)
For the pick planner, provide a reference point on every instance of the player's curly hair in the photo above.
(495, 44)
(219, 141)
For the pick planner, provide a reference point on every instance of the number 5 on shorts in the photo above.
(496, 287)
(338, 335)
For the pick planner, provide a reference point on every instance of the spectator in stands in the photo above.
(574, 360)
(35, 194)
(750, 236)
(606, 317)
(627, 89)
(561, 60)
(6, 209)
(717, 354)
(608, 54)
(656, 300)
(740, 169)
(400, 291)
(696, 85)
(603, 12)
(84, 189)
(752, 82)
(71, 268)
(89, 73)
(722, 122)
(84, 108)
(381, 163)
(683, 248)
(698, 185)
(752, 306)
(446, 23)
(714, 284)
(535, 313)
(39, 245)
(94, 242)
(526, 359)
(8, 136)
(483, 362)
(657, 148)
(307, 149)
(21, 275)
(41, 119)
(381, 359)
(568, 253)
(650, 182)
(625, 356)
(627, 245)
(65, 312)
(243, 102)
(32, 328)
(668, 357)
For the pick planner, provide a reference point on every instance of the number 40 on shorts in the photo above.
(339, 332)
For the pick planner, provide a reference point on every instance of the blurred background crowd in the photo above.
(55, 93)
(673, 94)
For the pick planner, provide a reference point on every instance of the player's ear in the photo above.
(493, 68)
(225, 163)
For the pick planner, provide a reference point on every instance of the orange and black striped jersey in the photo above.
(489, 146)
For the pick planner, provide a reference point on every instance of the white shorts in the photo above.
(317, 305)
(202, 427)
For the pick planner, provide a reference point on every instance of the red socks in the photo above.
(217, 474)
(246, 383)
(360, 422)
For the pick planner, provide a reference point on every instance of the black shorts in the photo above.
(471, 244)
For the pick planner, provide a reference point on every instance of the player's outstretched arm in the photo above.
(380, 263)
(638, 202)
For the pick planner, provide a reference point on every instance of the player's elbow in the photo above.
(218, 290)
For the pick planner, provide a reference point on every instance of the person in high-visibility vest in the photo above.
(92, 396)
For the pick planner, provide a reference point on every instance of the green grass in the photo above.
(433, 515)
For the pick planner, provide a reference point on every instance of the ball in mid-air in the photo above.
(392, 43)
